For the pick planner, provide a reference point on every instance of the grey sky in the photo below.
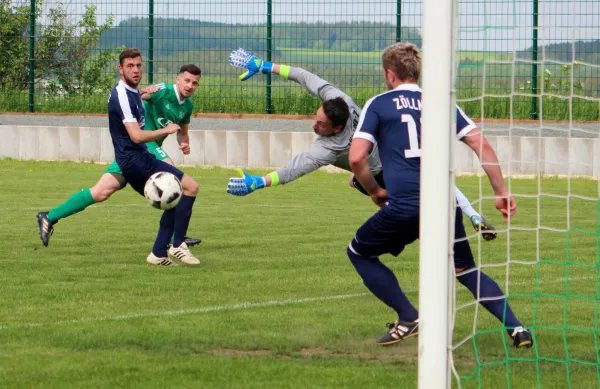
(496, 25)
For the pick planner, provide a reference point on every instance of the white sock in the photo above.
(465, 205)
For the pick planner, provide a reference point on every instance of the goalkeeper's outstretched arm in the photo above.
(311, 82)
(300, 165)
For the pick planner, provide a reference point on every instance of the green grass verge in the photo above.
(264, 307)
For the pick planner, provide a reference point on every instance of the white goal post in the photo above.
(437, 192)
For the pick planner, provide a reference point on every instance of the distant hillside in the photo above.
(174, 35)
(586, 51)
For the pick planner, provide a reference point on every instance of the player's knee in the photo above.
(101, 194)
(190, 186)
(464, 274)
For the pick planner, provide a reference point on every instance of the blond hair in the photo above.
(404, 60)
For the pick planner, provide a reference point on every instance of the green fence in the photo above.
(519, 58)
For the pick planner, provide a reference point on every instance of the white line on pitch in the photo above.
(240, 306)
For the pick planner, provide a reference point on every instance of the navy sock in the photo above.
(382, 282)
(183, 214)
(167, 223)
(489, 288)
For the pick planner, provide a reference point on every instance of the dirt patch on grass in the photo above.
(403, 352)
(234, 352)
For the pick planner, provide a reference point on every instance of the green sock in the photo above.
(76, 203)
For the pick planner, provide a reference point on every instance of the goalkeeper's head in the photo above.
(331, 117)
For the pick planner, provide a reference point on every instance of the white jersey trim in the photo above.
(465, 131)
(365, 135)
(471, 126)
(177, 95)
(124, 103)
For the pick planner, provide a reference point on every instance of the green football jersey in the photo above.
(164, 107)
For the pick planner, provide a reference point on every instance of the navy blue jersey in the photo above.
(393, 121)
(125, 106)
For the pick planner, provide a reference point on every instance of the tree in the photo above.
(66, 55)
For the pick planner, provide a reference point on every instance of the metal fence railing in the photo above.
(513, 57)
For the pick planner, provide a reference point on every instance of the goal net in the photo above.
(537, 65)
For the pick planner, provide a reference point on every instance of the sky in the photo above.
(499, 25)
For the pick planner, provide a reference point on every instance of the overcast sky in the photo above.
(500, 25)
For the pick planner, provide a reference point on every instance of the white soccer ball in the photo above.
(163, 190)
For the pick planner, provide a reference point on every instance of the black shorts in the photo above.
(386, 233)
(378, 178)
(137, 170)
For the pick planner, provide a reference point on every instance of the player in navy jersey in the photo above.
(392, 120)
(126, 124)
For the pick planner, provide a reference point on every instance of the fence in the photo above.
(519, 59)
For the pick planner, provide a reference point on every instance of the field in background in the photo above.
(359, 75)
(275, 302)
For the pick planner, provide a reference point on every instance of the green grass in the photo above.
(88, 312)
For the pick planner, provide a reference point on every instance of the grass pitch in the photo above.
(275, 302)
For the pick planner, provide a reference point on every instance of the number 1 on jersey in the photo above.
(413, 137)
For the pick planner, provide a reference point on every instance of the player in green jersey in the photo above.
(163, 104)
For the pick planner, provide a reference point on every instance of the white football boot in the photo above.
(183, 254)
(159, 261)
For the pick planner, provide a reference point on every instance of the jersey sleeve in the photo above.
(315, 85)
(310, 160)
(464, 124)
(119, 104)
(156, 96)
(368, 125)
(188, 113)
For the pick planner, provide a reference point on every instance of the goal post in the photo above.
(437, 193)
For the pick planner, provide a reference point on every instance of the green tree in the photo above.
(66, 54)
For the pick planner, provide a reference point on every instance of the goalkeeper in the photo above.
(335, 123)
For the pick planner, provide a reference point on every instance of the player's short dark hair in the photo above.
(337, 111)
(191, 68)
(404, 60)
(129, 53)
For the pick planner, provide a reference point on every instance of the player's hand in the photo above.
(246, 184)
(185, 147)
(380, 197)
(172, 128)
(507, 205)
(149, 89)
(241, 58)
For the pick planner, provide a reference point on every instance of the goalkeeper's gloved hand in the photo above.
(241, 186)
(243, 59)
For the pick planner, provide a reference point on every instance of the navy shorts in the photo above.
(386, 233)
(137, 171)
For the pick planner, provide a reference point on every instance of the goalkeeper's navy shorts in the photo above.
(385, 233)
(137, 170)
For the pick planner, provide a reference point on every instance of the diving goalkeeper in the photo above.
(335, 123)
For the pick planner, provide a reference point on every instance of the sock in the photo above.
(183, 214)
(165, 231)
(76, 203)
(380, 280)
(465, 205)
(489, 288)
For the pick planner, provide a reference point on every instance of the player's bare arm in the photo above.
(138, 135)
(183, 138)
(505, 202)
(147, 91)
(359, 162)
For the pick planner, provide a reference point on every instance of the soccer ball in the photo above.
(163, 190)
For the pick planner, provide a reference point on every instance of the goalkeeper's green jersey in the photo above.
(164, 107)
